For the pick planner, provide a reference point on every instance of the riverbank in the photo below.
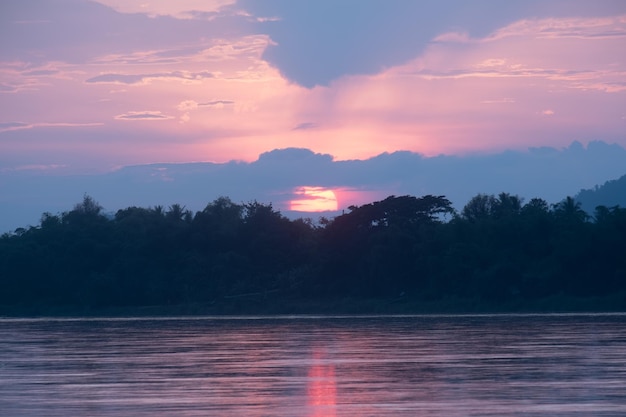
(259, 305)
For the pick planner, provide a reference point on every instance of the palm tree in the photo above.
(570, 211)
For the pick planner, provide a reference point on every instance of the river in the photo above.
(434, 365)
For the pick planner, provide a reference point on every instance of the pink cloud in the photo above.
(432, 103)
(143, 115)
(219, 99)
(574, 27)
(180, 9)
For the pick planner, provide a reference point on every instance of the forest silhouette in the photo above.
(402, 254)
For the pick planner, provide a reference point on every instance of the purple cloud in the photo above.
(39, 73)
(305, 126)
(216, 103)
(546, 172)
(318, 41)
(140, 78)
(8, 126)
(143, 115)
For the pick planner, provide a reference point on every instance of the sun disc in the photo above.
(314, 199)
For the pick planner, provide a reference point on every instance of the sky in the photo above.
(91, 87)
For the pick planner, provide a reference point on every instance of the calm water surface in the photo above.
(495, 365)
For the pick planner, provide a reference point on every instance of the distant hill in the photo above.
(611, 193)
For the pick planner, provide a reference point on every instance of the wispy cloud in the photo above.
(505, 100)
(305, 126)
(11, 126)
(201, 52)
(180, 9)
(187, 106)
(143, 115)
(49, 167)
(574, 27)
(581, 52)
(20, 85)
(41, 72)
(19, 76)
(116, 78)
(216, 103)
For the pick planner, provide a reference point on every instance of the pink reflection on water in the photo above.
(321, 387)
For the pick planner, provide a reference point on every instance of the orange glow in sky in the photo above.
(314, 199)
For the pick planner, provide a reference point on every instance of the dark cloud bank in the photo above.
(545, 172)
(318, 41)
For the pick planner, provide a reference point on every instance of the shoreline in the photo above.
(345, 306)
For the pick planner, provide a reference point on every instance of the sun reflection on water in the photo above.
(322, 387)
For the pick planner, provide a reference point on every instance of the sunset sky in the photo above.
(92, 86)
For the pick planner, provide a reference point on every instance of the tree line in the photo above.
(496, 251)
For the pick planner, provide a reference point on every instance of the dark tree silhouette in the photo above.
(498, 254)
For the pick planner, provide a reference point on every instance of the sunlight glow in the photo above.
(314, 199)
(322, 388)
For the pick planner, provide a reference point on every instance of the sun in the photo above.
(314, 199)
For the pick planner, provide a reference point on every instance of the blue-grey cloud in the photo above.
(216, 103)
(6, 88)
(139, 78)
(39, 73)
(545, 172)
(13, 126)
(317, 41)
(143, 115)
(305, 126)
